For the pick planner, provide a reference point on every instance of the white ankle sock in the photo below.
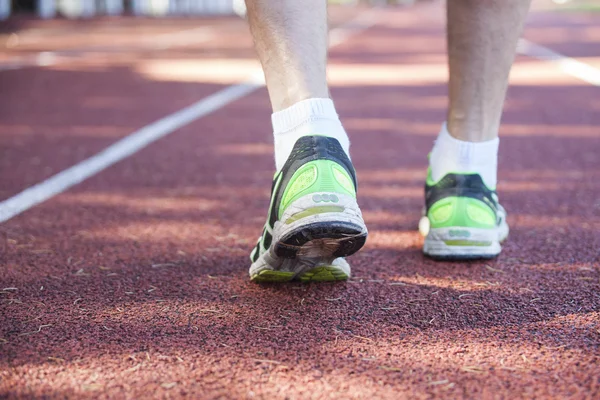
(453, 155)
(307, 117)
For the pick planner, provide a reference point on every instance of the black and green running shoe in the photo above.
(462, 219)
(314, 220)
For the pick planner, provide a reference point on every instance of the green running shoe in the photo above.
(314, 220)
(462, 219)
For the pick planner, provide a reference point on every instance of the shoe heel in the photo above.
(462, 243)
(460, 228)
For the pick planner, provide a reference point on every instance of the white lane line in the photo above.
(120, 150)
(141, 138)
(568, 65)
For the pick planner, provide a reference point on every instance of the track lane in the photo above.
(143, 267)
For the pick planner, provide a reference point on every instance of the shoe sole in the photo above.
(322, 273)
(311, 248)
(462, 243)
(338, 238)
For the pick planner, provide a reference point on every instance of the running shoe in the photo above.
(462, 219)
(313, 220)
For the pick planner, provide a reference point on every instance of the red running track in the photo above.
(134, 283)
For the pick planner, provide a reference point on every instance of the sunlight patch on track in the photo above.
(395, 240)
(223, 71)
(163, 41)
(160, 232)
(142, 202)
(258, 149)
(228, 71)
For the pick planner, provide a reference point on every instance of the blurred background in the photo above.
(90, 8)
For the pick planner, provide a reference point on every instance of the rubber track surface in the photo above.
(134, 283)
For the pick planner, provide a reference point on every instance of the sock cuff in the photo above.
(467, 153)
(301, 112)
(451, 155)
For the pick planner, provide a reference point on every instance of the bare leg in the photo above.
(291, 41)
(482, 38)
(302, 240)
(290, 37)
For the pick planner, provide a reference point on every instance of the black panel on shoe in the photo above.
(268, 238)
(460, 185)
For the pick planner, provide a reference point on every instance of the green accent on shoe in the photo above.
(302, 180)
(314, 211)
(480, 212)
(342, 177)
(324, 274)
(467, 243)
(461, 212)
(316, 177)
(272, 276)
(441, 211)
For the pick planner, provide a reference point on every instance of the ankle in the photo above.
(451, 155)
